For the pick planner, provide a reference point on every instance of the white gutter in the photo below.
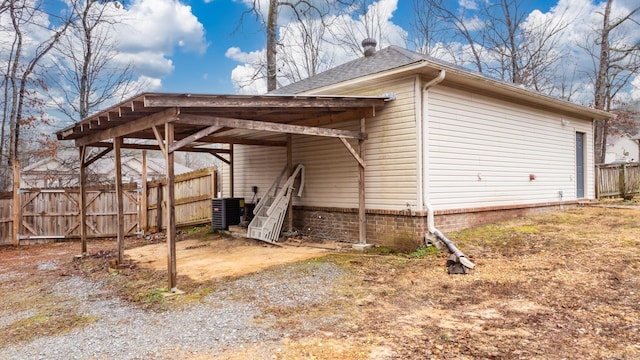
(435, 81)
(424, 150)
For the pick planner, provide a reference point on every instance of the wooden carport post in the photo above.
(170, 208)
(117, 144)
(82, 200)
(362, 213)
(289, 170)
(359, 157)
(231, 170)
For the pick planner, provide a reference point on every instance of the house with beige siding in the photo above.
(450, 146)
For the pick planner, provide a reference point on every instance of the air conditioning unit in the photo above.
(225, 212)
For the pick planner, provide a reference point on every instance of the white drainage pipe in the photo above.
(450, 245)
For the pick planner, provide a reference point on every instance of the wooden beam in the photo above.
(192, 119)
(129, 127)
(98, 156)
(193, 137)
(334, 118)
(144, 220)
(240, 141)
(17, 206)
(171, 215)
(157, 148)
(215, 139)
(160, 140)
(262, 102)
(222, 159)
(82, 200)
(353, 152)
(362, 212)
(119, 199)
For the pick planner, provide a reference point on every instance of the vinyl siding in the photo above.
(331, 171)
(256, 166)
(482, 151)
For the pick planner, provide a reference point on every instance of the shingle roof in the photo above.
(385, 59)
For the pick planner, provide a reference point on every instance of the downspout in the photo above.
(424, 155)
(450, 245)
(425, 166)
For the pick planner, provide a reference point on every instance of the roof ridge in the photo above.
(388, 58)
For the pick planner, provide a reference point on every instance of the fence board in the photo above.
(193, 194)
(615, 180)
(55, 213)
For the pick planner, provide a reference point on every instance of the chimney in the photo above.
(369, 46)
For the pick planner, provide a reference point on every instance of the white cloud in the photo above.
(148, 33)
(474, 23)
(468, 4)
(160, 25)
(244, 80)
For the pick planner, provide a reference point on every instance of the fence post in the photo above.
(17, 203)
(598, 181)
(159, 207)
(621, 181)
(144, 221)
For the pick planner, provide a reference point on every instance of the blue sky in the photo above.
(210, 72)
(199, 46)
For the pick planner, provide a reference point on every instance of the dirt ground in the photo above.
(558, 286)
(203, 260)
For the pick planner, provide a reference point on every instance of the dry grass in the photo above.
(563, 285)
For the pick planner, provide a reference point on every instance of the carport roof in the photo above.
(230, 119)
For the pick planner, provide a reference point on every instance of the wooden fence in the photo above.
(618, 180)
(193, 194)
(6, 218)
(53, 214)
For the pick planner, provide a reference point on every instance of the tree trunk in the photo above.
(601, 88)
(272, 27)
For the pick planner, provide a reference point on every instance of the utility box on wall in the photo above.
(225, 212)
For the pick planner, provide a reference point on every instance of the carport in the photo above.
(195, 123)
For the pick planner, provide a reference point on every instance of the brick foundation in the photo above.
(402, 230)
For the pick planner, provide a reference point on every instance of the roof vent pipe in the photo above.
(369, 46)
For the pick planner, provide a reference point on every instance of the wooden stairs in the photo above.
(270, 211)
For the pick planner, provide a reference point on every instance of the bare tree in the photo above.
(302, 47)
(86, 72)
(615, 62)
(361, 20)
(296, 10)
(498, 40)
(458, 24)
(22, 62)
(526, 52)
(427, 28)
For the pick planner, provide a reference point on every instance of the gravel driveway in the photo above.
(228, 318)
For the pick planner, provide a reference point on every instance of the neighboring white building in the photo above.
(621, 148)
